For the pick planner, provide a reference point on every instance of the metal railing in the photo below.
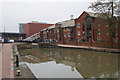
(32, 37)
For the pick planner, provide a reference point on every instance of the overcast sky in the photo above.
(50, 11)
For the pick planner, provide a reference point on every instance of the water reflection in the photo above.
(89, 64)
(53, 70)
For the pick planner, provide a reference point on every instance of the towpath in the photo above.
(0, 61)
(91, 48)
(7, 62)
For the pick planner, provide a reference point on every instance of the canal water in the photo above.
(70, 63)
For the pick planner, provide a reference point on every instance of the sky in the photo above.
(14, 12)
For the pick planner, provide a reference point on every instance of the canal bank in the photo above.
(23, 69)
(100, 49)
(110, 50)
(45, 62)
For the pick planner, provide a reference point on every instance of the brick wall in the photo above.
(32, 28)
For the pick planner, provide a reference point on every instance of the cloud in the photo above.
(24, 12)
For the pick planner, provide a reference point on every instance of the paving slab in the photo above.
(6, 61)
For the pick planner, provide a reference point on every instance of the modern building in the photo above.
(21, 27)
(48, 34)
(61, 32)
(82, 32)
(66, 31)
(32, 28)
(91, 32)
(83, 28)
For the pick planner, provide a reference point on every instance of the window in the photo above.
(83, 40)
(99, 39)
(65, 35)
(78, 25)
(83, 26)
(68, 34)
(107, 33)
(64, 29)
(116, 33)
(98, 24)
(99, 32)
(79, 40)
(106, 25)
(83, 33)
(78, 32)
(68, 29)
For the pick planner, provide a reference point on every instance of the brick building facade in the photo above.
(81, 32)
(32, 28)
(89, 34)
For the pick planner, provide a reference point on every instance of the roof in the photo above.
(98, 15)
(44, 29)
(51, 27)
(67, 23)
(92, 14)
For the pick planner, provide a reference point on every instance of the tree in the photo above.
(106, 12)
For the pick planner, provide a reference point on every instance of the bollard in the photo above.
(18, 73)
(17, 61)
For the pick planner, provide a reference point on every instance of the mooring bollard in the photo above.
(18, 73)
(17, 60)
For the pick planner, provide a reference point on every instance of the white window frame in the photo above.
(79, 33)
(65, 29)
(78, 26)
(69, 29)
(68, 34)
(107, 25)
(79, 39)
(65, 35)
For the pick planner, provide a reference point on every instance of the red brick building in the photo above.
(87, 35)
(62, 32)
(32, 28)
(82, 32)
(65, 31)
(83, 28)
(48, 34)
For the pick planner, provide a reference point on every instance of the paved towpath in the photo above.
(0, 61)
(7, 70)
(91, 48)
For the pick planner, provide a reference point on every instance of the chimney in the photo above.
(71, 16)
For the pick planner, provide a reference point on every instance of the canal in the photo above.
(70, 63)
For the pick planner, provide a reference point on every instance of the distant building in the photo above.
(32, 28)
(21, 27)
(14, 36)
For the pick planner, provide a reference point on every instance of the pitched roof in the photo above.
(67, 23)
(51, 27)
(91, 14)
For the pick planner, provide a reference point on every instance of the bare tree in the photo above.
(106, 12)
